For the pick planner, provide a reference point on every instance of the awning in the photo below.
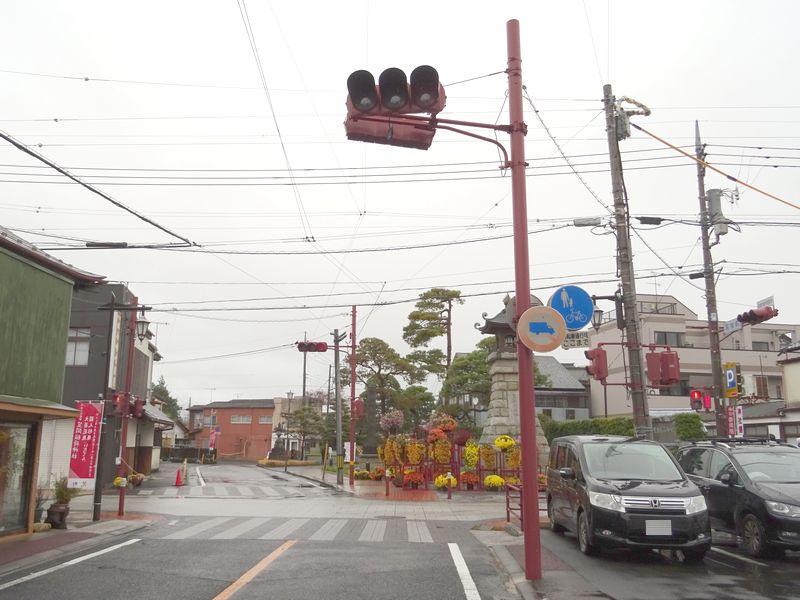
(151, 413)
(36, 406)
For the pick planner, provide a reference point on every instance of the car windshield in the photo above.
(772, 467)
(631, 460)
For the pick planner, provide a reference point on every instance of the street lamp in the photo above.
(141, 327)
(597, 317)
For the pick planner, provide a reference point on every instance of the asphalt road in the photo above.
(241, 532)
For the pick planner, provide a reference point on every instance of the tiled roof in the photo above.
(241, 403)
(560, 377)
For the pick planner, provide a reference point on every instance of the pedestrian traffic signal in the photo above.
(707, 402)
(312, 346)
(598, 368)
(138, 407)
(757, 315)
(375, 113)
(696, 400)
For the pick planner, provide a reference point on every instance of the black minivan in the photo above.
(613, 491)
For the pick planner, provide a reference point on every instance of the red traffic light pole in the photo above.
(400, 129)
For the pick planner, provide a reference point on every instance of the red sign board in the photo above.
(730, 413)
(85, 444)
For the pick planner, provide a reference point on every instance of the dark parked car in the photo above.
(624, 492)
(752, 489)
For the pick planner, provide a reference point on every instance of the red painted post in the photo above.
(527, 400)
(126, 404)
(386, 479)
(449, 487)
(353, 398)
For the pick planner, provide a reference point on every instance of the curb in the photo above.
(508, 565)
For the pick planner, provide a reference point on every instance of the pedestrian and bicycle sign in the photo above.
(541, 328)
(574, 304)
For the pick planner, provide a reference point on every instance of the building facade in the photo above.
(237, 429)
(35, 300)
(666, 321)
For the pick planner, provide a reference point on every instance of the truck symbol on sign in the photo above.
(537, 327)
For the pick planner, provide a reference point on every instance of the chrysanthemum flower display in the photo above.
(493, 482)
(504, 442)
(441, 481)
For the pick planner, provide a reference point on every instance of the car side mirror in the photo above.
(566, 473)
(728, 478)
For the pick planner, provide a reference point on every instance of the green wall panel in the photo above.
(34, 321)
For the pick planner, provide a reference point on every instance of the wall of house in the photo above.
(243, 441)
(34, 304)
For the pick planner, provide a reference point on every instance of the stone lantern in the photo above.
(503, 413)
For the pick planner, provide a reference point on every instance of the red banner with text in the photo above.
(85, 444)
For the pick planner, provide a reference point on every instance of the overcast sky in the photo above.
(238, 145)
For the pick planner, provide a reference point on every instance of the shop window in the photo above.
(78, 346)
(16, 458)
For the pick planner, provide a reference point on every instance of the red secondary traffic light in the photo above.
(757, 315)
(369, 105)
(599, 367)
(312, 346)
(696, 399)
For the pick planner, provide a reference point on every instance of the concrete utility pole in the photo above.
(711, 292)
(352, 471)
(337, 394)
(641, 413)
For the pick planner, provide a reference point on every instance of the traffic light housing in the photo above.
(370, 106)
(138, 407)
(757, 315)
(707, 402)
(663, 368)
(739, 382)
(696, 399)
(598, 368)
(312, 346)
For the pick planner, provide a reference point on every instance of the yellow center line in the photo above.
(255, 570)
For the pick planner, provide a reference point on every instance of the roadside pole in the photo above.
(353, 398)
(522, 286)
(337, 394)
(125, 408)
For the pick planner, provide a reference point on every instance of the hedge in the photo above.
(600, 426)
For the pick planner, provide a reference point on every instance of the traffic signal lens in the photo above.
(361, 88)
(394, 88)
(424, 86)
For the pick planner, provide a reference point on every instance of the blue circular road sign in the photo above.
(574, 304)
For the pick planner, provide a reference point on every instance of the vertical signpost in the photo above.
(85, 445)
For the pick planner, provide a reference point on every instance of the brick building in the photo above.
(237, 429)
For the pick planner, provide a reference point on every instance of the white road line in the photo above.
(738, 557)
(69, 563)
(195, 529)
(239, 529)
(270, 492)
(286, 529)
(373, 532)
(244, 490)
(470, 589)
(330, 530)
(173, 522)
(200, 477)
(220, 490)
(418, 532)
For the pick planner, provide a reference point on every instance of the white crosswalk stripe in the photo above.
(240, 529)
(198, 528)
(373, 532)
(244, 490)
(284, 530)
(329, 530)
(418, 532)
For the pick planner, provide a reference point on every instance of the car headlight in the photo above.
(779, 509)
(696, 504)
(607, 501)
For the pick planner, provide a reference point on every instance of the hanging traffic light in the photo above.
(757, 315)
(369, 107)
(696, 400)
(312, 346)
(138, 407)
(663, 368)
(707, 402)
(598, 368)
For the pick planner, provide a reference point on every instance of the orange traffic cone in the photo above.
(178, 480)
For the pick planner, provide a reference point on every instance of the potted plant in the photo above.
(469, 479)
(135, 479)
(42, 496)
(494, 483)
(59, 509)
(444, 480)
(414, 479)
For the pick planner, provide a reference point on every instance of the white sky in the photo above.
(175, 105)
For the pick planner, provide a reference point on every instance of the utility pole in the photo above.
(124, 419)
(711, 292)
(641, 413)
(337, 394)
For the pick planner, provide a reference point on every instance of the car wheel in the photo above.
(554, 527)
(584, 539)
(754, 539)
(694, 555)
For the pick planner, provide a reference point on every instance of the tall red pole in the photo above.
(353, 398)
(125, 408)
(527, 400)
